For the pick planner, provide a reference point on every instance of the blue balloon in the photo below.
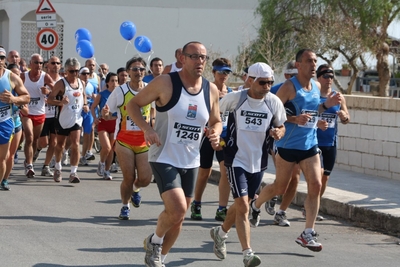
(127, 30)
(85, 49)
(83, 34)
(143, 44)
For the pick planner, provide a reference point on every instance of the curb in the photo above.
(361, 216)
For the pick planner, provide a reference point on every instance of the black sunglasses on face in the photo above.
(54, 63)
(327, 76)
(38, 62)
(2, 57)
(73, 71)
(262, 83)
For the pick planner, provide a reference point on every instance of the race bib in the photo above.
(224, 119)
(312, 122)
(253, 121)
(185, 134)
(34, 101)
(5, 113)
(131, 125)
(330, 118)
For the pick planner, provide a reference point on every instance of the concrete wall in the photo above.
(370, 143)
(221, 25)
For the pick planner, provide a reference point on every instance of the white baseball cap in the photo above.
(84, 70)
(260, 70)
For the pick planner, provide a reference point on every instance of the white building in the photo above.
(221, 25)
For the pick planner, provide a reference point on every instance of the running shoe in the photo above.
(153, 253)
(90, 156)
(319, 217)
(251, 260)
(29, 172)
(219, 243)
(114, 167)
(309, 241)
(270, 206)
(83, 161)
(220, 215)
(100, 169)
(107, 175)
(4, 185)
(57, 176)
(46, 171)
(255, 215)
(196, 212)
(124, 214)
(74, 179)
(136, 199)
(280, 219)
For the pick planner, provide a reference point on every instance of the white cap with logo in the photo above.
(260, 70)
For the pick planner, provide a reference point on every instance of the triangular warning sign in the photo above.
(45, 7)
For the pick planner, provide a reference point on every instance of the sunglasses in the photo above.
(38, 62)
(223, 72)
(2, 57)
(327, 76)
(54, 63)
(73, 71)
(262, 83)
(85, 73)
(137, 69)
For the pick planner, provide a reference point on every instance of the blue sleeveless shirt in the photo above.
(329, 136)
(300, 137)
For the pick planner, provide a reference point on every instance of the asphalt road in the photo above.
(43, 223)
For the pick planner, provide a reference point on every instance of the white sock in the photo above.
(222, 233)
(74, 169)
(253, 206)
(281, 211)
(58, 166)
(156, 239)
(308, 230)
(126, 205)
(163, 258)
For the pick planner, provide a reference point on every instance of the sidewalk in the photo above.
(371, 202)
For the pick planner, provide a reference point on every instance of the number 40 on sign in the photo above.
(47, 39)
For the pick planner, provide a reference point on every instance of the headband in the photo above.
(319, 74)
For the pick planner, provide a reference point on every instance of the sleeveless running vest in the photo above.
(180, 125)
(301, 137)
(37, 103)
(126, 130)
(174, 68)
(5, 85)
(70, 114)
(329, 136)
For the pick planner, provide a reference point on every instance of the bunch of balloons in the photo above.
(128, 31)
(84, 47)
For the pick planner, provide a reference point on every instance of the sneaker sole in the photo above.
(314, 249)
(30, 174)
(123, 218)
(220, 219)
(75, 181)
(91, 158)
(196, 218)
(5, 188)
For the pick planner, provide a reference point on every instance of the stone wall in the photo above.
(370, 143)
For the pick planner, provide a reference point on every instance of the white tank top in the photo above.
(37, 103)
(70, 113)
(174, 67)
(180, 130)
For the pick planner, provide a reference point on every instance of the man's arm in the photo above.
(167, 69)
(214, 121)
(58, 89)
(22, 97)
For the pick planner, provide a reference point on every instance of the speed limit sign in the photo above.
(47, 39)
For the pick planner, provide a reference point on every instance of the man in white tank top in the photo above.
(39, 84)
(185, 102)
(176, 66)
(69, 97)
